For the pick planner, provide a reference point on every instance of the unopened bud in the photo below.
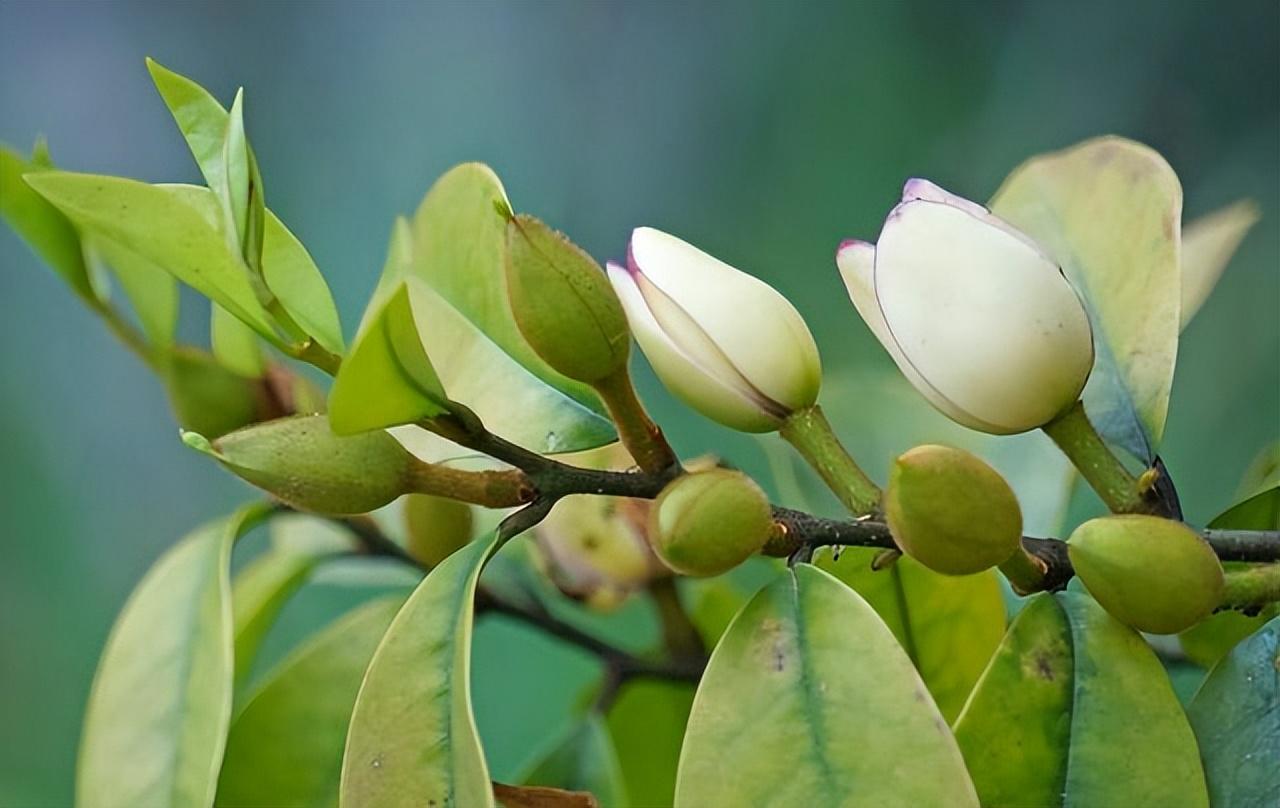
(206, 397)
(709, 522)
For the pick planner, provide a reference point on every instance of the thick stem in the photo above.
(1080, 442)
(642, 437)
(810, 433)
(1244, 545)
(1025, 571)
(1251, 588)
(490, 489)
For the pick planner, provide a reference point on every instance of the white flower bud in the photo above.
(725, 343)
(974, 313)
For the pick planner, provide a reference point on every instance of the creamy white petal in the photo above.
(682, 375)
(982, 315)
(756, 328)
(926, 191)
(856, 262)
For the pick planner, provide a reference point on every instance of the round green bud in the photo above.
(563, 303)
(709, 522)
(950, 511)
(301, 462)
(1153, 574)
(206, 397)
(435, 526)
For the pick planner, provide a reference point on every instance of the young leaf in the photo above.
(810, 697)
(948, 625)
(413, 737)
(157, 718)
(1109, 212)
(49, 233)
(1066, 712)
(584, 760)
(234, 344)
(285, 746)
(458, 249)
(1236, 718)
(161, 225)
(295, 280)
(152, 292)
(238, 193)
(199, 116)
(1207, 246)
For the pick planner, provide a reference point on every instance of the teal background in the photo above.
(764, 132)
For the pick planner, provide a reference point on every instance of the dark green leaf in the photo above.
(156, 723)
(647, 723)
(808, 700)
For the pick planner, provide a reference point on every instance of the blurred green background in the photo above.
(764, 132)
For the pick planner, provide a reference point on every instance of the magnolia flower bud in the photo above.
(974, 313)
(301, 462)
(709, 522)
(950, 511)
(562, 303)
(1153, 574)
(723, 342)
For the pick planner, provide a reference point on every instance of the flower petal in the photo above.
(684, 377)
(983, 316)
(755, 327)
(856, 262)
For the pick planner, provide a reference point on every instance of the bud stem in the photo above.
(490, 489)
(642, 437)
(1024, 571)
(1082, 445)
(1251, 588)
(810, 433)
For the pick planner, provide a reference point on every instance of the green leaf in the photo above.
(1067, 714)
(948, 625)
(1109, 211)
(199, 116)
(258, 593)
(812, 701)
(48, 232)
(1207, 246)
(156, 722)
(584, 760)
(235, 344)
(1236, 718)
(163, 226)
(413, 737)
(285, 746)
(242, 200)
(295, 280)
(647, 723)
(151, 291)
(388, 378)
(459, 243)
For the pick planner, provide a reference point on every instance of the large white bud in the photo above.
(725, 343)
(974, 313)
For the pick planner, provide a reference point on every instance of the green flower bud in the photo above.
(563, 303)
(1153, 574)
(709, 522)
(435, 526)
(206, 397)
(301, 462)
(950, 511)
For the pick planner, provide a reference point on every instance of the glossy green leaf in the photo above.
(151, 291)
(49, 233)
(1236, 718)
(385, 380)
(1207, 246)
(1259, 512)
(258, 592)
(808, 700)
(1067, 712)
(163, 227)
(413, 737)
(295, 280)
(234, 344)
(948, 625)
(459, 243)
(647, 723)
(157, 718)
(285, 746)
(584, 760)
(1109, 211)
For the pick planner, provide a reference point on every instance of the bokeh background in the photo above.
(764, 132)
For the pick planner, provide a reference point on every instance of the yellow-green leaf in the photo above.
(49, 233)
(1109, 212)
(234, 344)
(151, 291)
(1207, 246)
(808, 700)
